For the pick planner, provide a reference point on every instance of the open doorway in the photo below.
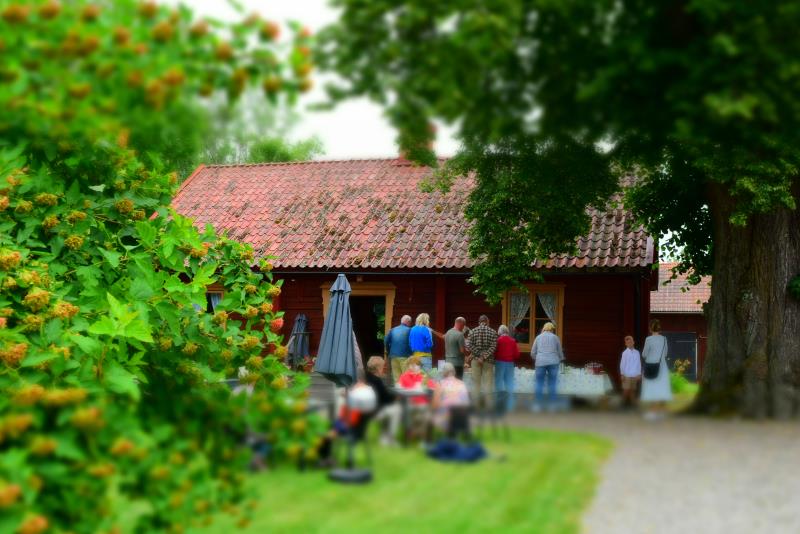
(369, 319)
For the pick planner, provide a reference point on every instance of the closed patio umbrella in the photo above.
(336, 358)
(298, 341)
(336, 361)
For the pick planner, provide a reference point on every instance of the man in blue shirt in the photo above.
(397, 348)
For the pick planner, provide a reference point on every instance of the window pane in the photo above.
(519, 316)
(546, 306)
(212, 299)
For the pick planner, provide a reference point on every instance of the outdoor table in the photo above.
(574, 382)
(405, 395)
(582, 384)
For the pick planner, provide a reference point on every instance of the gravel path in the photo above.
(690, 475)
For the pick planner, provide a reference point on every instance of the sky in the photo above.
(354, 129)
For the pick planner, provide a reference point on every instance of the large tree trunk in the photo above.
(753, 361)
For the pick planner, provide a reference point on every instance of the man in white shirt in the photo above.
(630, 370)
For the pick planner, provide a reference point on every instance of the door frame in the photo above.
(387, 290)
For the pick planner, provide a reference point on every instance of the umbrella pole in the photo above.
(350, 461)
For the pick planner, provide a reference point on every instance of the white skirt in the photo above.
(657, 389)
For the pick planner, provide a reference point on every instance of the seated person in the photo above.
(451, 392)
(387, 410)
(354, 414)
(414, 378)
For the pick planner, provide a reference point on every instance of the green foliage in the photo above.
(520, 211)
(277, 150)
(794, 287)
(252, 133)
(110, 379)
(680, 384)
(697, 99)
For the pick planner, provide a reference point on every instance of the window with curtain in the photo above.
(519, 316)
(213, 298)
(528, 312)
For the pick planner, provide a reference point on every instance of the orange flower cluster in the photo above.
(9, 260)
(64, 397)
(36, 299)
(15, 425)
(249, 342)
(255, 362)
(276, 324)
(14, 354)
(124, 206)
(220, 318)
(50, 222)
(73, 242)
(75, 216)
(121, 447)
(9, 494)
(32, 323)
(43, 446)
(88, 419)
(28, 395)
(273, 292)
(65, 310)
(46, 199)
(200, 252)
(35, 524)
(31, 278)
(101, 470)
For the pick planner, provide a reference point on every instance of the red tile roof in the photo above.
(369, 214)
(678, 296)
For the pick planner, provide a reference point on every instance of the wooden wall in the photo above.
(599, 310)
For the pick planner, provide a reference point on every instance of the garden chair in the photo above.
(458, 426)
(495, 415)
(322, 395)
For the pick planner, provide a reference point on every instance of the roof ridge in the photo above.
(317, 161)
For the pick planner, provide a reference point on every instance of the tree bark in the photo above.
(752, 365)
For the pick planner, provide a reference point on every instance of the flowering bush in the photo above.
(110, 376)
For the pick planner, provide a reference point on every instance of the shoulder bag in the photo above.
(651, 370)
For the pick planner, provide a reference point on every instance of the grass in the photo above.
(538, 482)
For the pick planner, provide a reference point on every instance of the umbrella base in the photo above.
(351, 476)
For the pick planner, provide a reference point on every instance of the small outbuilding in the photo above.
(679, 307)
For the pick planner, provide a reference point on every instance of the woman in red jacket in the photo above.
(505, 356)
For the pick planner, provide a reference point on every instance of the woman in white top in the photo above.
(656, 392)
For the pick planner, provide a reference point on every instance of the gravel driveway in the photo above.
(690, 475)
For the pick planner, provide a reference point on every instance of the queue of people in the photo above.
(491, 355)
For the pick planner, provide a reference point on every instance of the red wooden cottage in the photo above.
(679, 307)
(405, 252)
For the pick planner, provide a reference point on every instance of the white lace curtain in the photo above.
(548, 303)
(520, 303)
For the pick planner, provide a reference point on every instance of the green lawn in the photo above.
(538, 482)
